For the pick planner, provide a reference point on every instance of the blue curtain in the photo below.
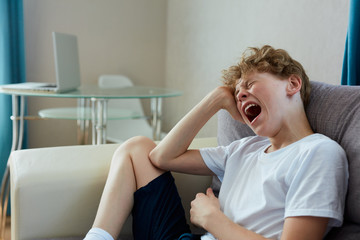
(12, 67)
(351, 65)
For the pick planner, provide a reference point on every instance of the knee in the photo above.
(134, 146)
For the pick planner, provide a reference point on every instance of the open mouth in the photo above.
(252, 111)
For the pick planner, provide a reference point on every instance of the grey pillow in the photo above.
(334, 111)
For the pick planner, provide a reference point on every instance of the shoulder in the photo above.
(322, 145)
(322, 154)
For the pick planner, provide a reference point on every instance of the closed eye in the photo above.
(249, 84)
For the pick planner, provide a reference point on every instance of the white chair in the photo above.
(120, 130)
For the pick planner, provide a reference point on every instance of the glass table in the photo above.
(99, 115)
(99, 111)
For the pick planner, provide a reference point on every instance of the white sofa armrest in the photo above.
(55, 191)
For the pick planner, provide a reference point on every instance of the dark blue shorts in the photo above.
(158, 213)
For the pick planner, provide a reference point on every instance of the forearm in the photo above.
(181, 136)
(224, 229)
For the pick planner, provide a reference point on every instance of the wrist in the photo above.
(214, 218)
(218, 99)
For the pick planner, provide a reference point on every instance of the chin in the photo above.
(264, 132)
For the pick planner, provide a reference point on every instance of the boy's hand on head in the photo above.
(204, 207)
(228, 102)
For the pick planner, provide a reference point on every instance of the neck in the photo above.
(294, 129)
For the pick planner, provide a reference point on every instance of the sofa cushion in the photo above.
(333, 111)
(349, 231)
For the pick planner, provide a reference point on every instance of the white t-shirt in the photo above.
(259, 190)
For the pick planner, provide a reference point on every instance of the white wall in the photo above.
(114, 36)
(206, 36)
(178, 44)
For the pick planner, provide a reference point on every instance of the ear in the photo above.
(294, 85)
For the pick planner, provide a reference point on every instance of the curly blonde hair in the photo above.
(270, 60)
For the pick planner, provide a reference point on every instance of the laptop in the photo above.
(66, 67)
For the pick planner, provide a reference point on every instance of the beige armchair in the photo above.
(55, 191)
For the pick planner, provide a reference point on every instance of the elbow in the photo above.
(156, 159)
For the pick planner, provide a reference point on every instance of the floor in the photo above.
(7, 229)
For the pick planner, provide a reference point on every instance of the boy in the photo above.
(284, 183)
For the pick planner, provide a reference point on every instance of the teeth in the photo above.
(249, 106)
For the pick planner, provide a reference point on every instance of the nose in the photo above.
(242, 94)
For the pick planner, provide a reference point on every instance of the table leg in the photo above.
(104, 103)
(99, 126)
(82, 121)
(99, 120)
(21, 123)
(93, 120)
(156, 112)
(5, 191)
(18, 133)
(14, 122)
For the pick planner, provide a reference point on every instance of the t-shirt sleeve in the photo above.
(215, 159)
(318, 184)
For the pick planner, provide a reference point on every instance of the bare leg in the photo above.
(130, 170)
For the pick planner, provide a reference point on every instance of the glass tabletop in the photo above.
(94, 91)
(73, 113)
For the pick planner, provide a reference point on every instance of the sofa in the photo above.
(55, 191)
